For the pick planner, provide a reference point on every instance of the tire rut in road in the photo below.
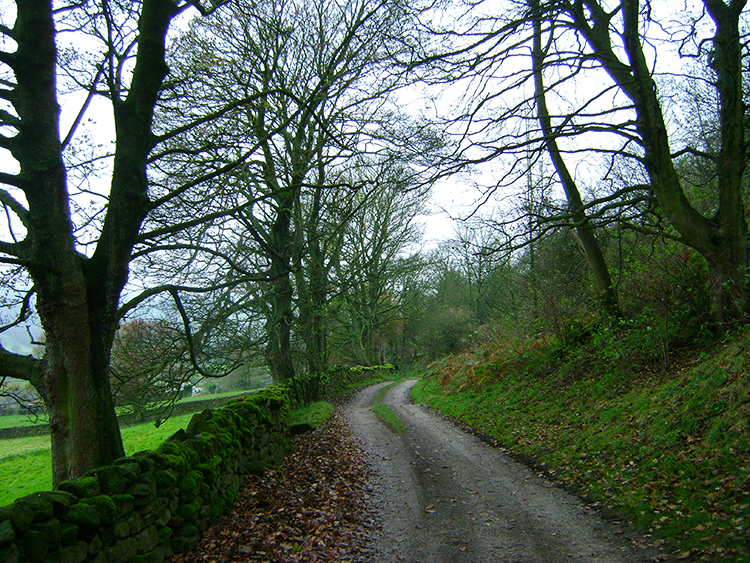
(442, 495)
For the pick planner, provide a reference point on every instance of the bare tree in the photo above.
(612, 71)
(377, 252)
(584, 228)
(320, 74)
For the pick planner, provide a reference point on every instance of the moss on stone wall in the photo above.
(155, 503)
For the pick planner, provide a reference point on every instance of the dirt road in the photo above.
(442, 495)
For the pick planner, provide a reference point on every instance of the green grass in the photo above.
(217, 396)
(668, 450)
(147, 437)
(314, 414)
(16, 447)
(384, 390)
(15, 420)
(390, 418)
(26, 467)
(384, 412)
(21, 476)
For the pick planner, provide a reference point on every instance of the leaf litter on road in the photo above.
(313, 507)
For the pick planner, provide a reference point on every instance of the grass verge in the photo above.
(390, 418)
(668, 449)
(315, 414)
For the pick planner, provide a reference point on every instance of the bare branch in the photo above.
(84, 107)
(212, 251)
(11, 180)
(206, 10)
(23, 314)
(208, 117)
(191, 342)
(157, 233)
(21, 212)
(8, 118)
(695, 152)
(169, 288)
(9, 59)
(18, 366)
(5, 30)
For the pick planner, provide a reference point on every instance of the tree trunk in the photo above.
(312, 279)
(279, 325)
(312, 304)
(83, 425)
(78, 297)
(281, 292)
(728, 269)
(75, 379)
(603, 287)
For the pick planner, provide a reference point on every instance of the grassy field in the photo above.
(14, 420)
(25, 465)
(668, 449)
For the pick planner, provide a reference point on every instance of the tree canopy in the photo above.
(243, 183)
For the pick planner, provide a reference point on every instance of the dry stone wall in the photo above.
(144, 508)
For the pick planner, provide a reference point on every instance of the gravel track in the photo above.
(442, 495)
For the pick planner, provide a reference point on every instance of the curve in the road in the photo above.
(442, 495)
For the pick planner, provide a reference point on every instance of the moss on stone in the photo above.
(83, 487)
(189, 530)
(7, 533)
(148, 539)
(188, 511)
(165, 533)
(114, 479)
(34, 546)
(147, 558)
(121, 529)
(199, 421)
(177, 457)
(165, 479)
(84, 515)
(202, 446)
(10, 554)
(123, 504)
(181, 544)
(68, 533)
(146, 486)
(209, 473)
(51, 529)
(21, 515)
(104, 505)
(230, 496)
(189, 486)
(159, 461)
(217, 511)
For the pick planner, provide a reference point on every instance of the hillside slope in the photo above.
(668, 448)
